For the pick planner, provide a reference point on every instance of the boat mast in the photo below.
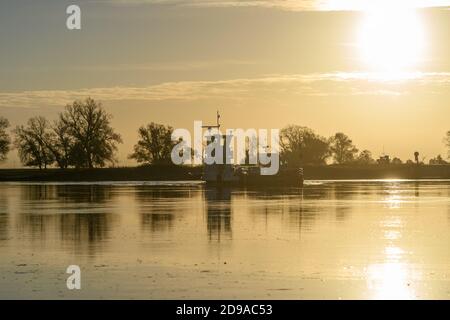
(211, 138)
(217, 121)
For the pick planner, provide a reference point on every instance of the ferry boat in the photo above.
(247, 175)
(226, 174)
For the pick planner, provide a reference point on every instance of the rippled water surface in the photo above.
(330, 240)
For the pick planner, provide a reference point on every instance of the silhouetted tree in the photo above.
(31, 142)
(94, 140)
(397, 161)
(62, 145)
(5, 141)
(437, 161)
(154, 145)
(384, 160)
(365, 157)
(301, 146)
(342, 148)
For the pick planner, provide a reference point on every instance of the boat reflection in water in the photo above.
(218, 211)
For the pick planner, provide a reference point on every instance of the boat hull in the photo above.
(291, 178)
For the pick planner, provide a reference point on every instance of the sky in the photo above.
(378, 71)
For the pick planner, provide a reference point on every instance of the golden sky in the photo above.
(376, 70)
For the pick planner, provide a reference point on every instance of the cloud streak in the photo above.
(293, 5)
(297, 85)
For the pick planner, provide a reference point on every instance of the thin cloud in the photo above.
(297, 85)
(293, 5)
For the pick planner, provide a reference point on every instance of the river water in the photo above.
(329, 240)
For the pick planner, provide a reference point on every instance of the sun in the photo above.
(391, 40)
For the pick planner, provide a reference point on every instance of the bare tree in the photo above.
(154, 145)
(32, 141)
(365, 157)
(342, 148)
(61, 144)
(302, 146)
(5, 140)
(94, 140)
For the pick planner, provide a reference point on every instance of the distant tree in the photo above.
(5, 141)
(397, 161)
(342, 148)
(302, 146)
(409, 161)
(32, 141)
(365, 157)
(154, 145)
(416, 157)
(94, 141)
(383, 160)
(437, 161)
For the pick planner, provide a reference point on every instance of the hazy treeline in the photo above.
(82, 137)
(302, 145)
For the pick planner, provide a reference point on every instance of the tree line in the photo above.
(302, 145)
(82, 137)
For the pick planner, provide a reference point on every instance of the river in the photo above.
(382, 239)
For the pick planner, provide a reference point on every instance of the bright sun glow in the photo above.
(390, 281)
(391, 41)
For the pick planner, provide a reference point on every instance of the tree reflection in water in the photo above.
(79, 215)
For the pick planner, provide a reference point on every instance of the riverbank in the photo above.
(144, 173)
(173, 173)
(403, 171)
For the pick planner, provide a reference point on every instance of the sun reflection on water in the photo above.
(394, 199)
(392, 277)
(390, 280)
